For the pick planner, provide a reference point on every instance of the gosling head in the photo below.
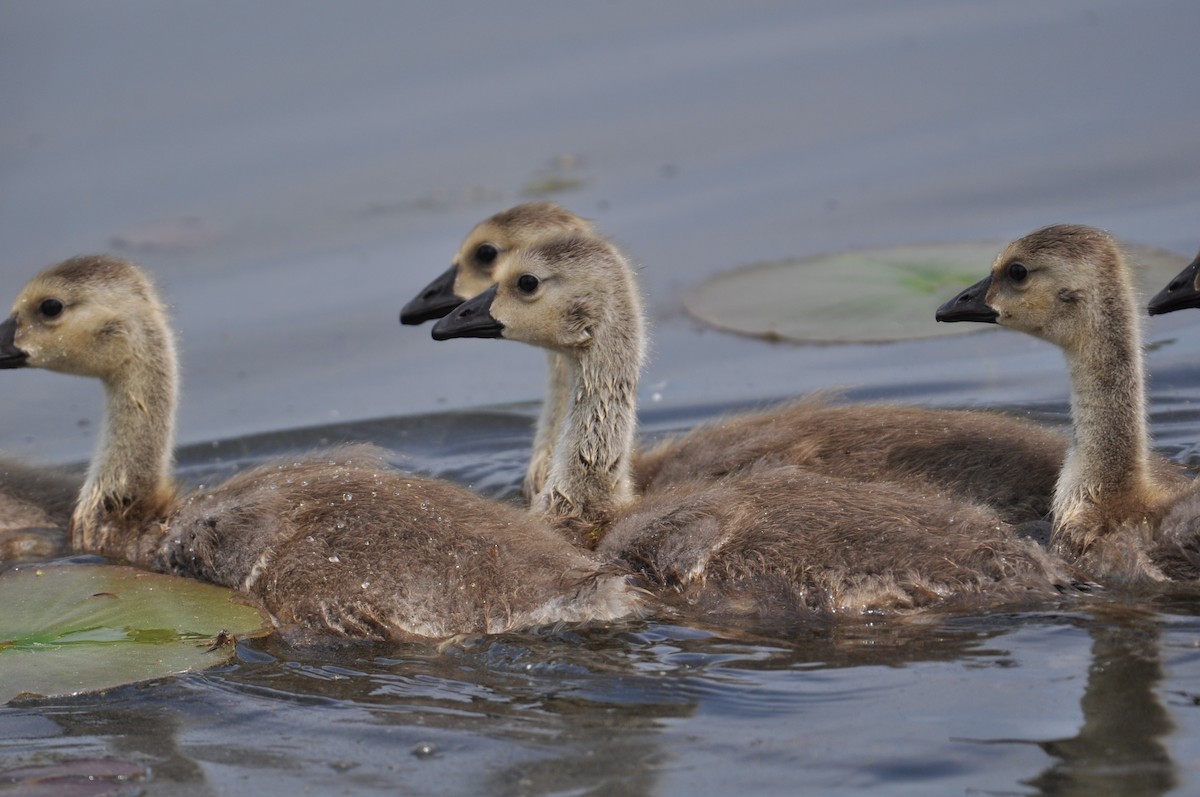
(484, 249)
(558, 295)
(1183, 291)
(83, 316)
(1060, 283)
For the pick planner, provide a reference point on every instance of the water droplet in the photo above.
(347, 496)
(335, 559)
(341, 525)
(425, 750)
(366, 584)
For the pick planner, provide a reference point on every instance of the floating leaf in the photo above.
(868, 295)
(80, 628)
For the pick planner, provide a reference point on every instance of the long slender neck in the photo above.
(1108, 461)
(549, 423)
(590, 474)
(129, 487)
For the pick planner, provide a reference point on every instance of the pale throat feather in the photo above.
(590, 474)
(129, 480)
(1109, 454)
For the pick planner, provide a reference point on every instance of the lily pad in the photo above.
(868, 295)
(81, 628)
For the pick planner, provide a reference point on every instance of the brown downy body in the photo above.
(783, 542)
(341, 542)
(767, 540)
(421, 558)
(925, 448)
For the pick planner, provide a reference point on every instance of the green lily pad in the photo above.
(868, 295)
(81, 628)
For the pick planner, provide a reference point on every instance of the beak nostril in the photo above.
(1175, 285)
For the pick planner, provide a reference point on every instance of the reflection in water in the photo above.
(642, 709)
(562, 711)
(1120, 749)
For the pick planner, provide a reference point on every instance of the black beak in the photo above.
(1180, 292)
(10, 355)
(434, 301)
(471, 319)
(970, 305)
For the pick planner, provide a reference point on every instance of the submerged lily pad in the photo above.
(80, 628)
(868, 295)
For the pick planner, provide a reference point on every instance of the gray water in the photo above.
(293, 172)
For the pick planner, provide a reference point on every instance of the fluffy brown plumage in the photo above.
(766, 540)
(781, 542)
(337, 542)
(923, 448)
(1071, 285)
(344, 543)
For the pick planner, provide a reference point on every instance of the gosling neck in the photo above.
(129, 489)
(549, 423)
(1108, 463)
(590, 476)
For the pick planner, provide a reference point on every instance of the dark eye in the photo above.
(1017, 272)
(50, 307)
(486, 253)
(527, 283)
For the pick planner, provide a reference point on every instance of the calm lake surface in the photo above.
(294, 172)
